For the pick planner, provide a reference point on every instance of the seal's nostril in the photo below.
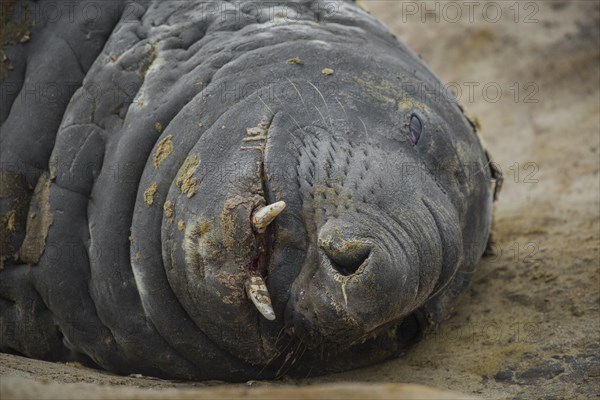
(347, 261)
(347, 269)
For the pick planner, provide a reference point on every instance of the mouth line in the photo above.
(262, 236)
(260, 219)
(257, 266)
(261, 170)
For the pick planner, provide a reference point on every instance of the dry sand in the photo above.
(529, 324)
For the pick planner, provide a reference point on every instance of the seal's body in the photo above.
(230, 190)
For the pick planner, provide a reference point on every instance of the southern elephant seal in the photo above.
(229, 190)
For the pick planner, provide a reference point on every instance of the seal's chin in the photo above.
(310, 332)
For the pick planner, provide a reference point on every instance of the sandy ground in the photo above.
(529, 324)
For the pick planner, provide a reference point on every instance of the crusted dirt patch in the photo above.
(168, 209)
(149, 194)
(15, 193)
(163, 149)
(39, 220)
(185, 179)
(10, 220)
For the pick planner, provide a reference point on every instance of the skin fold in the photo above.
(132, 197)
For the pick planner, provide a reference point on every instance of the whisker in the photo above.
(309, 371)
(287, 358)
(279, 334)
(295, 358)
(297, 91)
(268, 108)
(322, 117)
(363, 122)
(325, 103)
(344, 110)
(286, 113)
(290, 115)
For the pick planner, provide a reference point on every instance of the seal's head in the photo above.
(325, 211)
(330, 231)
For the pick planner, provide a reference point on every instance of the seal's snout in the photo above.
(367, 274)
(338, 304)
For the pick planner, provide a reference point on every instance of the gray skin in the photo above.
(127, 196)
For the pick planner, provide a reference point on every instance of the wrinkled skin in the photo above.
(132, 238)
